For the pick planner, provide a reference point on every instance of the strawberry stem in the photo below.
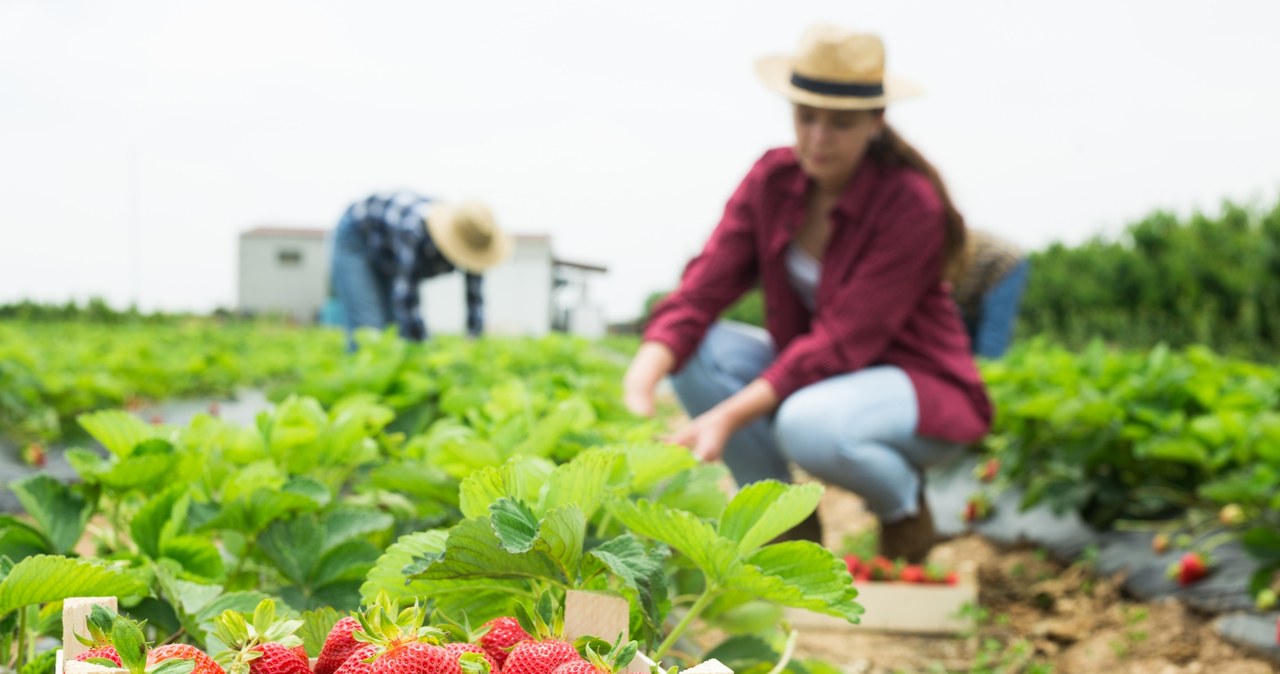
(698, 607)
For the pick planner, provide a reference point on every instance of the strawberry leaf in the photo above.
(46, 578)
(60, 512)
(717, 557)
(520, 478)
(117, 430)
(585, 481)
(800, 574)
(762, 510)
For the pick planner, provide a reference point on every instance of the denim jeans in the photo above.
(365, 294)
(991, 330)
(856, 431)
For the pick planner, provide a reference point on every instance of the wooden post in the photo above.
(608, 617)
(75, 615)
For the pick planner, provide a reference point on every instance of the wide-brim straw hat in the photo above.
(468, 235)
(837, 69)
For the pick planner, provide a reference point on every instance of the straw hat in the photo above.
(835, 69)
(467, 235)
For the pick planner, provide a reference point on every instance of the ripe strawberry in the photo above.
(600, 658)
(337, 646)
(853, 563)
(278, 659)
(952, 578)
(883, 569)
(504, 633)
(204, 663)
(538, 657)
(912, 573)
(546, 648)
(456, 649)
(415, 657)
(105, 652)
(356, 660)
(1193, 567)
(301, 651)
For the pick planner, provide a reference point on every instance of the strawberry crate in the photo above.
(904, 607)
(586, 613)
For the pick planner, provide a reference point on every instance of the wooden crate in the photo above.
(586, 613)
(903, 607)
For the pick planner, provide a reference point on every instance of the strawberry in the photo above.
(456, 650)
(301, 651)
(989, 470)
(265, 646)
(1160, 543)
(99, 623)
(546, 648)
(978, 508)
(337, 646)
(1193, 567)
(34, 455)
(504, 633)
(883, 569)
(599, 658)
(952, 578)
(853, 563)
(912, 573)
(415, 657)
(204, 663)
(356, 662)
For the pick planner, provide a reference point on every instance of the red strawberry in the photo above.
(107, 652)
(278, 659)
(978, 508)
(1193, 567)
(301, 652)
(415, 657)
(539, 657)
(337, 646)
(455, 651)
(204, 663)
(952, 578)
(503, 634)
(912, 573)
(853, 563)
(355, 662)
(882, 568)
(578, 667)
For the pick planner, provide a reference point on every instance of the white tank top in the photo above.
(804, 270)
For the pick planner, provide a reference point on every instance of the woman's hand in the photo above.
(652, 362)
(706, 435)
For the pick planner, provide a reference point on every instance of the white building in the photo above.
(284, 271)
(532, 293)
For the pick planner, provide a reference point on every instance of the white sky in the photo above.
(137, 139)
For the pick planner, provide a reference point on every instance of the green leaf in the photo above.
(310, 488)
(197, 555)
(697, 491)
(60, 512)
(19, 540)
(561, 536)
(1263, 544)
(652, 463)
(762, 510)
(315, 628)
(46, 578)
(348, 561)
(1179, 449)
(293, 546)
(473, 550)
(520, 478)
(584, 481)
(347, 524)
(152, 463)
(717, 557)
(515, 524)
(117, 430)
(641, 570)
(148, 525)
(485, 597)
(741, 652)
(800, 574)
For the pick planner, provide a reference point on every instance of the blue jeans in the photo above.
(991, 330)
(856, 431)
(364, 293)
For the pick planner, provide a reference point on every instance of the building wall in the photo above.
(517, 295)
(282, 273)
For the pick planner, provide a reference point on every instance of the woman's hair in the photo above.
(890, 149)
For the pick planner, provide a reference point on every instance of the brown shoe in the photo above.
(910, 537)
(808, 530)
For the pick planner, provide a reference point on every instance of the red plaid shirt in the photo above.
(880, 299)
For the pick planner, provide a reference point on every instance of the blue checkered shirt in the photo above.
(401, 250)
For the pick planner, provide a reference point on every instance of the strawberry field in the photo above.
(433, 488)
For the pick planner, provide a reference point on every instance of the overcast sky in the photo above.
(137, 139)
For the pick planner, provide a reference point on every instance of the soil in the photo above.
(1035, 614)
